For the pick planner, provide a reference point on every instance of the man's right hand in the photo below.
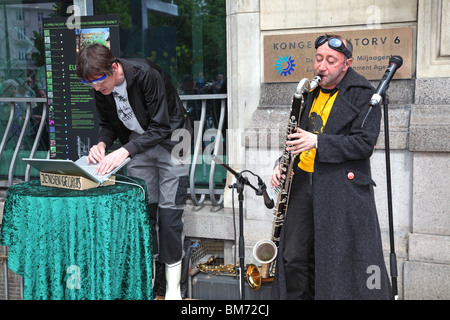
(276, 176)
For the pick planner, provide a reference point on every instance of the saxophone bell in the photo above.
(253, 277)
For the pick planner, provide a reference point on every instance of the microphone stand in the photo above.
(392, 256)
(240, 183)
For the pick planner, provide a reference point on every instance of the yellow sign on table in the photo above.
(70, 182)
(290, 57)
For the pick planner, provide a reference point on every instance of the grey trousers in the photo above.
(167, 183)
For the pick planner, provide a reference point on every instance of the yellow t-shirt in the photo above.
(317, 120)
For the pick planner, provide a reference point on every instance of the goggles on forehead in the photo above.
(94, 82)
(334, 43)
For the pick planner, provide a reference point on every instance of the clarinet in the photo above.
(265, 251)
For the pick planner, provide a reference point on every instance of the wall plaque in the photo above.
(290, 57)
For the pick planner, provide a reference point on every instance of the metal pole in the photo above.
(392, 256)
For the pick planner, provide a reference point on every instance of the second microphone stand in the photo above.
(240, 183)
(392, 255)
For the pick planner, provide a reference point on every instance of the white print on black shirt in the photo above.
(124, 110)
(123, 107)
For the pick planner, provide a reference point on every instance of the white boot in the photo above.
(153, 273)
(173, 277)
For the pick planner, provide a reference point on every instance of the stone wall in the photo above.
(418, 128)
(419, 131)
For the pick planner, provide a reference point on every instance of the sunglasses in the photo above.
(94, 82)
(334, 43)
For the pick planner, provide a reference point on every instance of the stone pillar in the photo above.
(243, 59)
(427, 271)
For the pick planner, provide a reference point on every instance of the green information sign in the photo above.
(73, 125)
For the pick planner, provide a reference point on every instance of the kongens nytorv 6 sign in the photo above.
(290, 57)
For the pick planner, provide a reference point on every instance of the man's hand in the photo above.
(97, 153)
(106, 163)
(112, 160)
(276, 176)
(301, 141)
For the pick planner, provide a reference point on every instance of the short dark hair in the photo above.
(93, 60)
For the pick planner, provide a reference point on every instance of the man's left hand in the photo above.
(112, 160)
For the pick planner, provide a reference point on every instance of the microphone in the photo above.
(219, 161)
(395, 62)
(262, 189)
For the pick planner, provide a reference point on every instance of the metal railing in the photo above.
(198, 195)
(29, 104)
(193, 191)
(12, 165)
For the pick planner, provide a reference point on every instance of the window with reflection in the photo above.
(22, 75)
(186, 38)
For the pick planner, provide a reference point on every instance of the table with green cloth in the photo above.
(80, 245)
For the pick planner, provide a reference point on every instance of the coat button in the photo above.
(350, 175)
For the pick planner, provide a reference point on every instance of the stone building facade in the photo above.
(419, 128)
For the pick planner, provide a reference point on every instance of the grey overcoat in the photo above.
(349, 261)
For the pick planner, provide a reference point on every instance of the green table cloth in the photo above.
(79, 245)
